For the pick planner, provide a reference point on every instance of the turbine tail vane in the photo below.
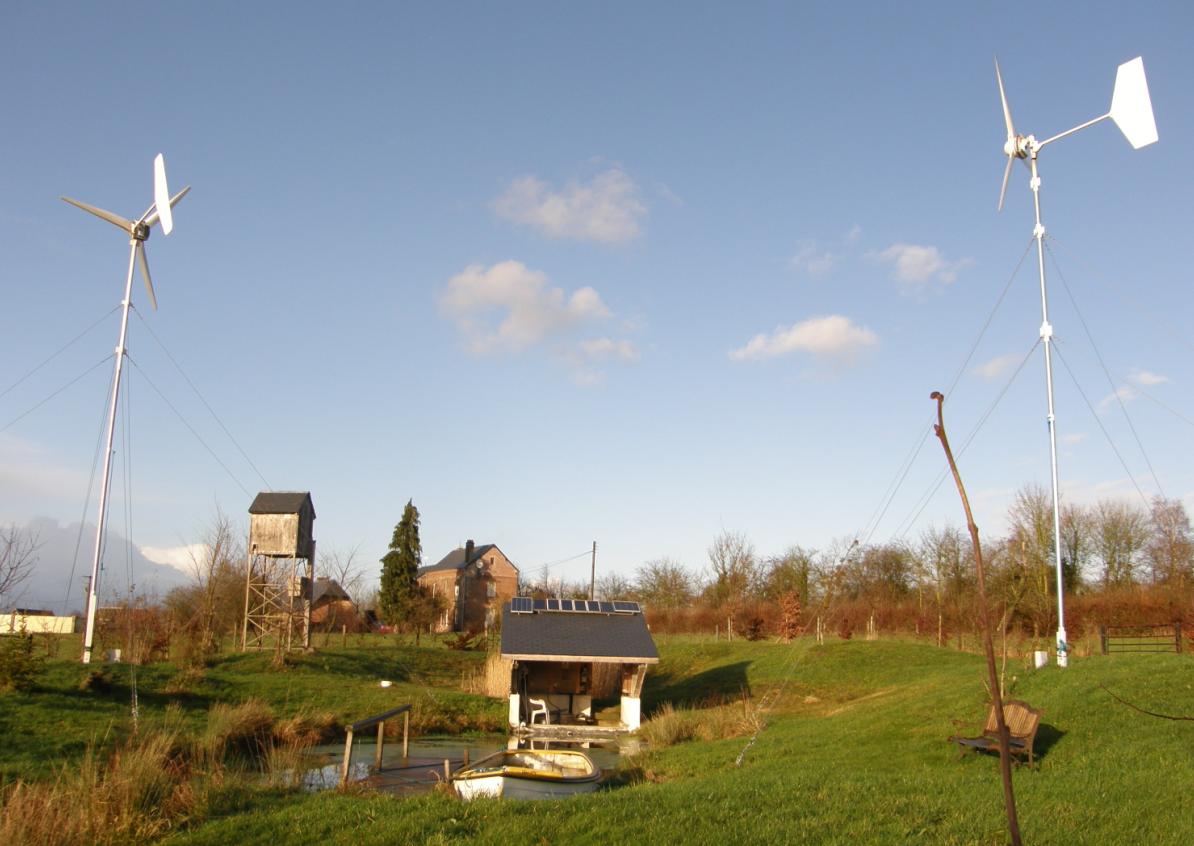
(1131, 107)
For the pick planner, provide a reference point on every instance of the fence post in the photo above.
(405, 735)
(1103, 638)
(1177, 635)
(381, 743)
(347, 758)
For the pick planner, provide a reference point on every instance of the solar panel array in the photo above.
(527, 605)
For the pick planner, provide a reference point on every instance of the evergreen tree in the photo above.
(399, 567)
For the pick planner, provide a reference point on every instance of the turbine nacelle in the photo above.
(139, 229)
(1131, 110)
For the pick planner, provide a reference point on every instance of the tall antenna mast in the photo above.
(1132, 111)
(138, 231)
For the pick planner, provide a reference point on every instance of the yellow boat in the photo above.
(528, 774)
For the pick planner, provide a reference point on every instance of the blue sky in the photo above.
(628, 272)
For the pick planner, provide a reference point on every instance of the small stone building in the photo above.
(555, 646)
(473, 581)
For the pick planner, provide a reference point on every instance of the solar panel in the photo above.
(527, 605)
(521, 605)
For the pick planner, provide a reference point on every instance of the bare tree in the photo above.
(613, 586)
(793, 572)
(1120, 534)
(217, 597)
(1077, 543)
(1031, 547)
(1170, 550)
(18, 556)
(664, 583)
(942, 560)
(733, 567)
(344, 569)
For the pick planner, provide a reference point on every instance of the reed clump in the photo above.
(670, 725)
(159, 780)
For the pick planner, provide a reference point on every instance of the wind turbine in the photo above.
(1132, 111)
(138, 231)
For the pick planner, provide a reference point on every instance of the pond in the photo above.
(424, 767)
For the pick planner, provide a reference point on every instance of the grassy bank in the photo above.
(73, 708)
(854, 751)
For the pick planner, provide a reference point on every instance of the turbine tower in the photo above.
(1132, 111)
(138, 231)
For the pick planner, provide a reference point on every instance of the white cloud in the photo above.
(509, 307)
(915, 266)
(833, 336)
(996, 367)
(181, 558)
(598, 349)
(811, 260)
(1147, 379)
(853, 235)
(1123, 394)
(609, 209)
(1073, 438)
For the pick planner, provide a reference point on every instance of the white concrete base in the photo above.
(631, 712)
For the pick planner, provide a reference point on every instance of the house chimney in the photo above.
(468, 551)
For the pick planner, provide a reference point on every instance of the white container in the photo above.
(1040, 658)
(385, 682)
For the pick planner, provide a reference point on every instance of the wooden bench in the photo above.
(1022, 722)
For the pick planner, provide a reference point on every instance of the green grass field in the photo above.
(854, 751)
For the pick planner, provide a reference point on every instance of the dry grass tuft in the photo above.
(669, 725)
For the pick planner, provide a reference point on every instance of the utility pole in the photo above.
(593, 574)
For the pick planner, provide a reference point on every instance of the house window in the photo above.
(491, 589)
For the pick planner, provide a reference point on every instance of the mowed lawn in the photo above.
(854, 752)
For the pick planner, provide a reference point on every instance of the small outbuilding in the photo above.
(557, 647)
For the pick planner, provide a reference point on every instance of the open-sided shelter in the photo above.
(555, 644)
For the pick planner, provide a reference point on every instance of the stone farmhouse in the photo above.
(474, 581)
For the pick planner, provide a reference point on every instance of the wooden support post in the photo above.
(447, 770)
(1103, 638)
(381, 744)
(1177, 635)
(347, 759)
(406, 735)
(465, 761)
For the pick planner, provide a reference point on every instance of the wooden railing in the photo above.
(378, 720)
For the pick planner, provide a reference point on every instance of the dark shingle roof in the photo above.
(281, 502)
(328, 589)
(549, 635)
(454, 560)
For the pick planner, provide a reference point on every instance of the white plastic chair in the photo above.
(539, 707)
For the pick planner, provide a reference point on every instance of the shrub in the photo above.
(19, 666)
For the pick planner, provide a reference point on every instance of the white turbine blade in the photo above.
(161, 194)
(143, 262)
(1007, 172)
(1007, 111)
(114, 219)
(1131, 107)
(153, 218)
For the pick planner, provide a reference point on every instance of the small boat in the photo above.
(528, 774)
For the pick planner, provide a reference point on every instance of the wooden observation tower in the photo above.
(279, 571)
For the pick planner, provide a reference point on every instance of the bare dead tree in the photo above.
(18, 556)
(1005, 758)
